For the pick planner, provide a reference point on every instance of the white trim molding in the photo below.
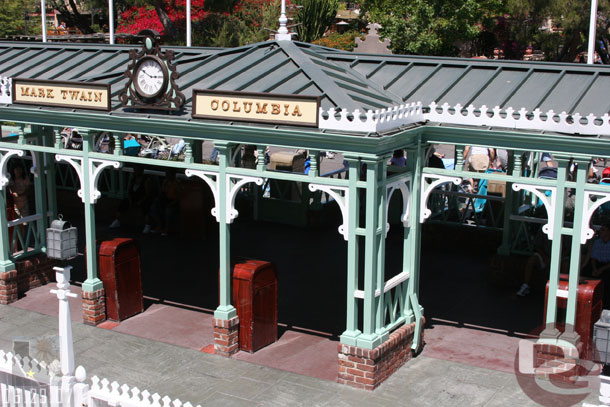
(404, 185)
(371, 121)
(212, 183)
(394, 117)
(232, 190)
(341, 196)
(519, 119)
(391, 283)
(95, 169)
(8, 153)
(549, 203)
(426, 190)
(5, 90)
(586, 232)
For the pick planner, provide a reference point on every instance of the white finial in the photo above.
(282, 33)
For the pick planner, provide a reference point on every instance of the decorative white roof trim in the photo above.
(371, 122)
(520, 119)
(5, 90)
(397, 116)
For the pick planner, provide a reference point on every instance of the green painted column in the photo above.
(412, 233)
(579, 207)
(509, 203)
(225, 310)
(550, 330)
(92, 283)
(40, 188)
(369, 338)
(351, 331)
(5, 253)
(380, 244)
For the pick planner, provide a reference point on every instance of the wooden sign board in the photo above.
(256, 107)
(62, 94)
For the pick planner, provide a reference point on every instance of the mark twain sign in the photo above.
(256, 107)
(63, 94)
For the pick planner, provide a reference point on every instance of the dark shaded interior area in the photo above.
(182, 268)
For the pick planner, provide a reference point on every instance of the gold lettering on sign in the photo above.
(261, 108)
(63, 94)
(256, 107)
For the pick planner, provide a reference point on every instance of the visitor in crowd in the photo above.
(398, 158)
(19, 188)
(479, 159)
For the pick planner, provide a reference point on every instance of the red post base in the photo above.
(94, 307)
(226, 336)
(29, 273)
(368, 368)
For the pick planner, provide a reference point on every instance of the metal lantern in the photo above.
(61, 240)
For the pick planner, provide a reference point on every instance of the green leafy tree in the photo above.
(12, 17)
(314, 17)
(431, 27)
(569, 31)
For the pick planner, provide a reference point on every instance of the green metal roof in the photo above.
(344, 80)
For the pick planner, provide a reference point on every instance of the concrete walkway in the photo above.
(210, 380)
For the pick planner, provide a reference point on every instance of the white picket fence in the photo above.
(26, 382)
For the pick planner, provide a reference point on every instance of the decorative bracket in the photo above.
(549, 203)
(586, 232)
(342, 201)
(3, 163)
(232, 190)
(95, 169)
(404, 185)
(212, 183)
(426, 190)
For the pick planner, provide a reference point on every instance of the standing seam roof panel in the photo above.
(566, 93)
(532, 91)
(467, 87)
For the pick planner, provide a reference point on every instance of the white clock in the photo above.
(150, 77)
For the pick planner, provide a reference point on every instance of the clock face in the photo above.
(150, 77)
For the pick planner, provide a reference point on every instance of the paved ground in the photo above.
(211, 380)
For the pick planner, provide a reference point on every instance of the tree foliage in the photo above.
(431, 27)
(12, 17)
(560, 28)
(314, 17)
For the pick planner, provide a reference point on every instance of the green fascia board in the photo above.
(234, 133)
(585, 146)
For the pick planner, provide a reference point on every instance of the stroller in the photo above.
(71, 139)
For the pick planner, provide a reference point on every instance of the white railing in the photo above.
(371, 121)
(103, 393)
(395, 117)
(26, 382)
